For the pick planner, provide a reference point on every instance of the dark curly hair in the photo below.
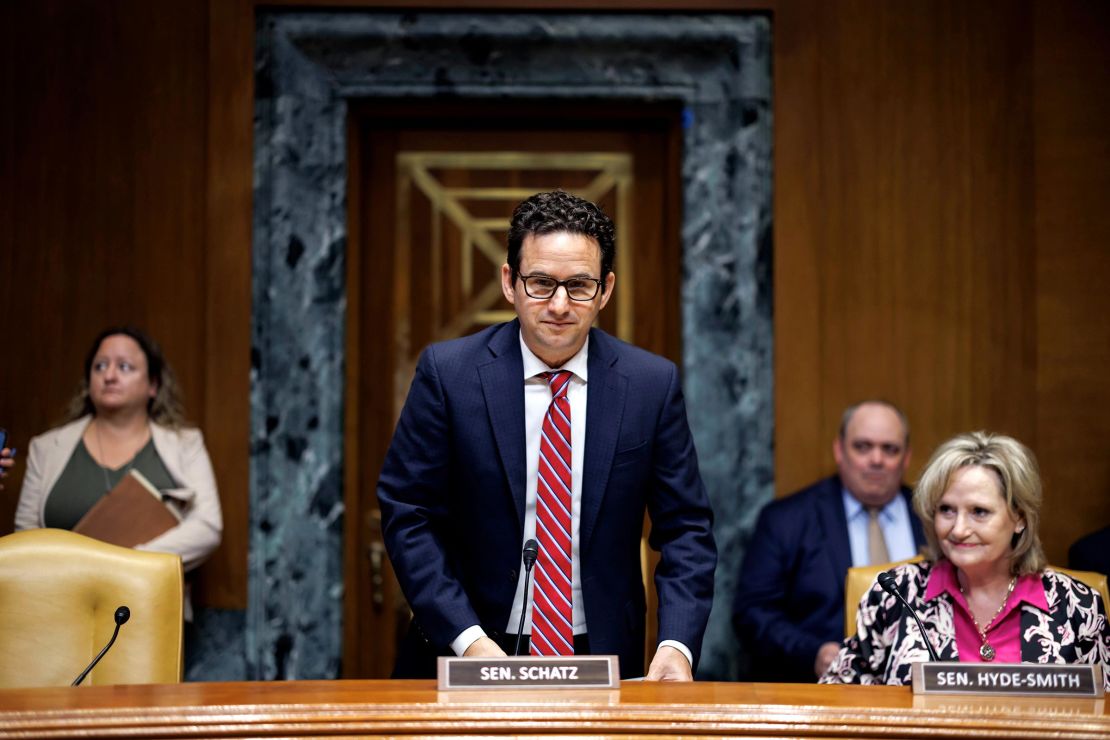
(559, 211)
(165, 408)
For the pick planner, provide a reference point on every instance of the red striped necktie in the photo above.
(552, 613)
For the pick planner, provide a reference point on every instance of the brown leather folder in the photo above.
(130, 514)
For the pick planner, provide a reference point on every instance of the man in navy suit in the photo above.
(1091, 552)
(789, 607)
(458, 489)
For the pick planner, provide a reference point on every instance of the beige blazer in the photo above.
(185, 458)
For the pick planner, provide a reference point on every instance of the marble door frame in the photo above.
(308, 66)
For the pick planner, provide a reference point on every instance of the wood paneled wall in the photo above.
(941, 177)
(940, 238)
(104, 222)
(904, 223)
(1071, 114)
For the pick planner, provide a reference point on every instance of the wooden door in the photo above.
(431, 189)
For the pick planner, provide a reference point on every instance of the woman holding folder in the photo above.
(984, 593)
(125, 425)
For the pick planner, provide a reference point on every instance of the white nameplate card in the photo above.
(529, 672)
(1010, 679)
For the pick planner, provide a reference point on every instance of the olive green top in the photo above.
(83, 482)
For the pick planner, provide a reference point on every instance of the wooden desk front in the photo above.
(328, 708)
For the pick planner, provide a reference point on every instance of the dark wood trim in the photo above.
(227, 298)
(648, 708)
(628, 6)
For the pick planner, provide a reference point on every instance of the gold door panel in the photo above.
(453, 211)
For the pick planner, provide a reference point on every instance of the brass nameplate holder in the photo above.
(529, 672)
(1008, 679)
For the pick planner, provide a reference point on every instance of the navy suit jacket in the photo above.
(452, 495)
(790, 598)
(1092, 552)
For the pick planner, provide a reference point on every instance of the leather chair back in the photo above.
(858, 582)
(58, 596)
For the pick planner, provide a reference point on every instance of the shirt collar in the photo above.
(853, 507)
(1030, 589)
(533, 366)
(942, 579)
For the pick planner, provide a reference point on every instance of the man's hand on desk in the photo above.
(669, 664)
(825, 656)
(484, 647)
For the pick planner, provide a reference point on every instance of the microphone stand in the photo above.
(886, 581)
(122, 615)
(531, 550)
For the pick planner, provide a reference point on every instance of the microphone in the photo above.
(121, 616)
(886, 581)
(531, 552)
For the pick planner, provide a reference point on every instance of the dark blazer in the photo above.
(452, 498)
(1091, 552)
(790, 597)
(1073, 630)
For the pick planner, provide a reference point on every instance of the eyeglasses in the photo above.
(543, 287)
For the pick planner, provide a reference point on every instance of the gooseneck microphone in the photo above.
(886, 581)
(531, 551)
(121, 616)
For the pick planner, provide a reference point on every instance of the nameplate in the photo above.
(1010, 679)
(566, 672)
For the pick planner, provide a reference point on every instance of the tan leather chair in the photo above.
(58, 595)
(860, 580)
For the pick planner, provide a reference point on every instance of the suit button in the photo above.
(512, 575)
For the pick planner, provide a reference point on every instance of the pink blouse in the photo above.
(1004, 633)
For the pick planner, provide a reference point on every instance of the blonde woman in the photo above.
(984, 593)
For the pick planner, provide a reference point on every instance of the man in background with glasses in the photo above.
(547, 428)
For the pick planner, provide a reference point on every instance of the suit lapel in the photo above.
(937, 616)
(65, 441)
(503, 387)
(915, 523)
(1033, 645)
(605, 396)
(835, 524)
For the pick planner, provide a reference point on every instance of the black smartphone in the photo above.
(3, 438)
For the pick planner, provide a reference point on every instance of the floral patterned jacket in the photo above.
(888, 641)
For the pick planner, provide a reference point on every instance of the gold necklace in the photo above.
(986, 650)
(104, 468)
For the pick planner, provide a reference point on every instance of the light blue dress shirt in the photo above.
(894, 520)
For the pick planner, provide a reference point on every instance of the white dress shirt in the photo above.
(537, 397)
